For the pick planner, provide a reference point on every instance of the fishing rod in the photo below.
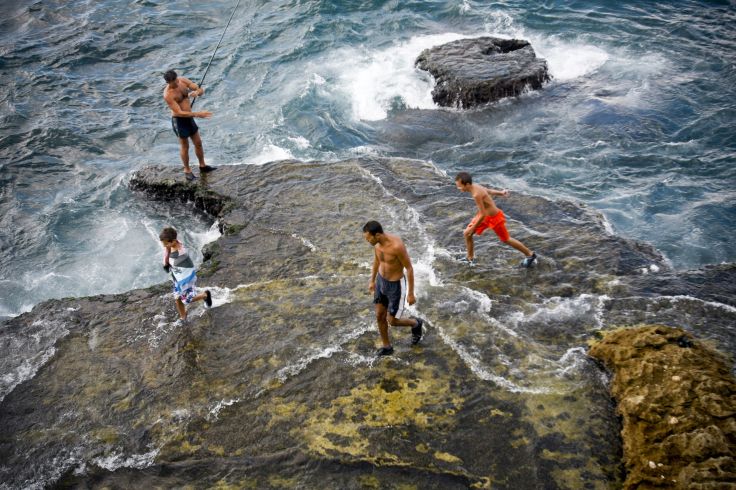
(216, 48)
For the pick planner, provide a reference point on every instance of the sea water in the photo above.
(637, 122)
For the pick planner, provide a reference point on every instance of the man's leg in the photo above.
(381, 313)
(519, 246)
(198, 148)
(402, 322)
(206, 296)
(181, 309)
(469, 243)
(184, 152)
(503, 235)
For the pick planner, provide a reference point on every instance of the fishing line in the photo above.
(216, 48)
(211, 58)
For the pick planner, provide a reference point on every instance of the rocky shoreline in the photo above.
(276, 385)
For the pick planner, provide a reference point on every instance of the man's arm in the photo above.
(374, 271)
(178, 112)
(196, 90)
(403, 256)
(498, 193)
(167, 253)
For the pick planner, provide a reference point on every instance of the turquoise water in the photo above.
(638, 121)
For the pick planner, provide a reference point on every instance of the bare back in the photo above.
(392, 258)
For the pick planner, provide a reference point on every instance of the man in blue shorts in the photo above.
(389, 284)
(177, 92)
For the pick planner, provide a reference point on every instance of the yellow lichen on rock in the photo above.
(677, 397)
(417, 398)
(447, 457)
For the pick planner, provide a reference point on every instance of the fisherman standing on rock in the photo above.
(177, 92)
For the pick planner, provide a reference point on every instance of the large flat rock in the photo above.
(277, 384)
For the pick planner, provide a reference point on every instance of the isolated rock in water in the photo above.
(476, 71)
(677, 397)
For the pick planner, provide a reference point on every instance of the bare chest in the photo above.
(179, 94)
(387, 256)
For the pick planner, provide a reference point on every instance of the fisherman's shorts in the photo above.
(184, 127)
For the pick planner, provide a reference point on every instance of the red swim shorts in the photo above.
(497, 223)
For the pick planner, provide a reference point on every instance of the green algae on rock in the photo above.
(677, 397)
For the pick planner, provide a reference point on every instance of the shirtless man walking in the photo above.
(488, 216)
(177, 92)
(388, 284)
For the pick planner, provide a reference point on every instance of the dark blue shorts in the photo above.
(184, 127)
(390, 294)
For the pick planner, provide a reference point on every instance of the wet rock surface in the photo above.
(277, 385)
(470, 72)
(677, 397)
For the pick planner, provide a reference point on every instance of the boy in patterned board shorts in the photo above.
(488, 216)
(184, 276)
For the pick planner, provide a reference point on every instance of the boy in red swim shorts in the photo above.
(488, 216)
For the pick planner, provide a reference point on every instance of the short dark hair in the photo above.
(464, 178)
(170, 76)
(168, 234)
(373, 227)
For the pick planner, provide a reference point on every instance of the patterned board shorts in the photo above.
(186, 296)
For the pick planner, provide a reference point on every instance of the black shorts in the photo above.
(390, 294)
(184, 127)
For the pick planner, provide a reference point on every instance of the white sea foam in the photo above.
(566, 59)
(313, 354)
(355, 360)
(312, 82)
(162, 327)
(477, 367)
(374, 80)
(26, 370)
(27, 351)
(557, 309)
(270, 153)
(306, 242)
(118, 460)
(214, 412)
(572, 361)
(49, 472)
(365, 151)
(200, 239)
(300, 142)
(712, 304)
(295, 368)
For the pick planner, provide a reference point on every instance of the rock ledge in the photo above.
(677, 397)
